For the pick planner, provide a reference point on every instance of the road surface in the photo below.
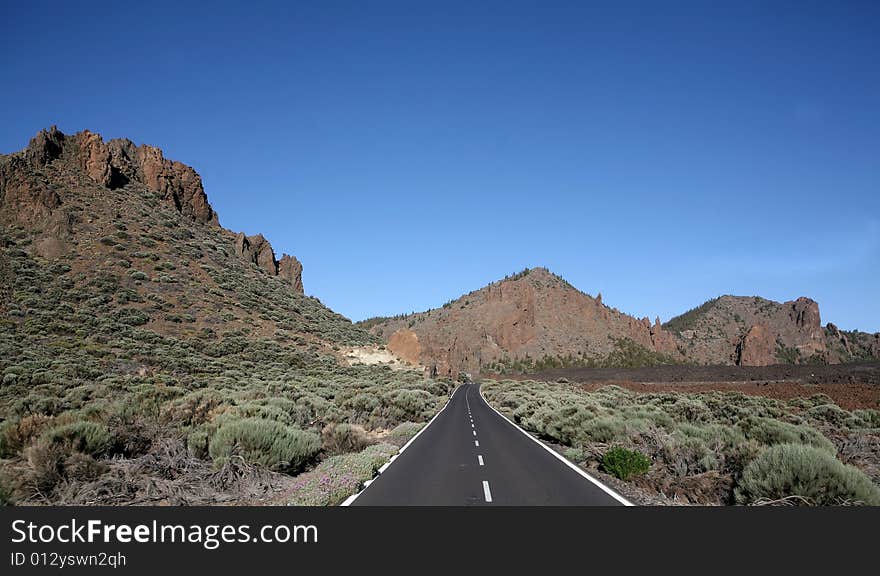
(471, 455)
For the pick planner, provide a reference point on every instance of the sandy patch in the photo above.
(372, 355)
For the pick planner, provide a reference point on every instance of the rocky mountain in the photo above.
(43, 188)
(536, 320)
(531, 319)
(754, 331)
(142, 344)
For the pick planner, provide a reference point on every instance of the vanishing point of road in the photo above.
(469, 454)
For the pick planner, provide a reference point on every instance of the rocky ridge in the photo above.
(535, 320)
(31, 192)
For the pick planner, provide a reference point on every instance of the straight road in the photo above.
(471, 455)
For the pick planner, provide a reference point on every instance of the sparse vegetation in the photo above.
(710, 448)
(102, 371)
(625, 354)
(687, 320)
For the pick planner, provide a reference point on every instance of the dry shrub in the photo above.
(18, 433)
(343, 438)
(707, 488)
(46, 461)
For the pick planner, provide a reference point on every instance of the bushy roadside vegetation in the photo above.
(96, 392)
(710, 448)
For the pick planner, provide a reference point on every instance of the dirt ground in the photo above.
(851, 386)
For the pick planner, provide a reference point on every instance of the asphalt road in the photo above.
(471, 455)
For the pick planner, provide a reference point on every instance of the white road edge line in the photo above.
(480, 459)
(486, 492)
(385, 466)
(561, 458)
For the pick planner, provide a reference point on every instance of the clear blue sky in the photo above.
(408, 152)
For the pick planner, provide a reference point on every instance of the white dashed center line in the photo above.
(486, 492)
(480, 459)
(477, 443)
(475, 432)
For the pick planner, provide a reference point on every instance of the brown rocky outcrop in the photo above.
(757, 347)
(752, 331)
(258, 250)
(405, 345)
(94, 157)
(176, 182)
(290, 270)
(118, 162)
(28, 199)
(46, 146)
(33, 182)
(804, 312)
(25, 197)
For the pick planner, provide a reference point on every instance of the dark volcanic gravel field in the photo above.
(849, 385)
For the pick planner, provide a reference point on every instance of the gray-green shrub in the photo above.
(264, 442)
(770, 431)
(806, 471)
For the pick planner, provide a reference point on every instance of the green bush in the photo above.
(264, 442)
(86, 437)
(806, 471)
(625, 464)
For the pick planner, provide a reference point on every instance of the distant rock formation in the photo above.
(536, 318)
(533, 316)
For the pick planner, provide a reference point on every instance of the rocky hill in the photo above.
(535, 320)
(754, 331)
(143, 223)
(142, 345)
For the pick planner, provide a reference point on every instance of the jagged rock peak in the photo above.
(45, 146)
(119, 161)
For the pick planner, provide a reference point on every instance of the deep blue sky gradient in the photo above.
(409, 152)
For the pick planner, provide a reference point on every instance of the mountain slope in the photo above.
(532, 318)
(142, 345)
